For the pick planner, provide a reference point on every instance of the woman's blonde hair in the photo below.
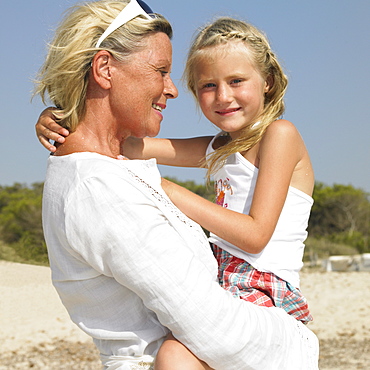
(64, 75)
(225, 30)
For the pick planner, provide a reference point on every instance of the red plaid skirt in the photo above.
(261, 288)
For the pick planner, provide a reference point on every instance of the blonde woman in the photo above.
(110, 220)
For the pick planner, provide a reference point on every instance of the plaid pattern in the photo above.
(261, 288)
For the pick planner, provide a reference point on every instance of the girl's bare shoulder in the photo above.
(282, 131)
(282, 126)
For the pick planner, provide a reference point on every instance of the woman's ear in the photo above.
(269, 83)
(101, 69)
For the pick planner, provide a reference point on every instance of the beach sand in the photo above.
(36, 332)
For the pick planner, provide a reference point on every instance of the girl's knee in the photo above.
(173, 355)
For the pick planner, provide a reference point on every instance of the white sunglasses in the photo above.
(132, 10)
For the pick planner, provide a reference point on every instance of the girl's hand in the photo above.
(47, 129)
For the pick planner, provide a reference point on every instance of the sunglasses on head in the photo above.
(132, 10)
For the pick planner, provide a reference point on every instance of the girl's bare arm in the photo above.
(47, 129)
(172, 152)
(279, 153)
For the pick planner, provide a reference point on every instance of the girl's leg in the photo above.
(175, 356)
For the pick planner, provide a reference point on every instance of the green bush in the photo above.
(21, 225)
(355, 239)
(31, 248)
(339, 223)
(322, 248)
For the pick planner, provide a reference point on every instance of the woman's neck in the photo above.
(92, 136)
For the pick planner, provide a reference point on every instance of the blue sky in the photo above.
(324, 46)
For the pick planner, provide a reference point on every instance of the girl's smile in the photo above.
(230, 90)
(227, 111)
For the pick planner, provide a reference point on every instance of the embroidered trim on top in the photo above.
(162, 199)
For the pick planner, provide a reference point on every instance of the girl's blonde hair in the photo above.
(64, 75)
(221, 32)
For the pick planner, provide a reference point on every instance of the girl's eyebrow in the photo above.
(203, 81)
(239, 75)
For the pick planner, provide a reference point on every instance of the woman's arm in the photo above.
(279, 153)
(173, 272)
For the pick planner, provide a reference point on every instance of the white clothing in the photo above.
(235, 184)
(128, 264)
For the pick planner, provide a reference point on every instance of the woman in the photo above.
(127, 264)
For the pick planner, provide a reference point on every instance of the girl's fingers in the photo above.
(46, 144)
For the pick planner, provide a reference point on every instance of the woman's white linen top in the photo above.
(128, 265)
(235, 184)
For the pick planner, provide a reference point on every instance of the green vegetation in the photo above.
(339, 224)
(21, 235)
(340, 221)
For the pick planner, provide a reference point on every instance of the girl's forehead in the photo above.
(231, 47)
(236, 49)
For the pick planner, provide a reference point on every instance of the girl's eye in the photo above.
(209, 85)
(236, 81)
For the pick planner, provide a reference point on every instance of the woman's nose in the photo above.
(170, 90)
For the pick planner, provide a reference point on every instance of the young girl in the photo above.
(261, 168)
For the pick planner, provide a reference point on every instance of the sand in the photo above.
(36, 332)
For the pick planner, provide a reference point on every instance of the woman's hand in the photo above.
(168, 187)
(47, 129)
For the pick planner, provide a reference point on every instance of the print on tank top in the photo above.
(221, 188)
